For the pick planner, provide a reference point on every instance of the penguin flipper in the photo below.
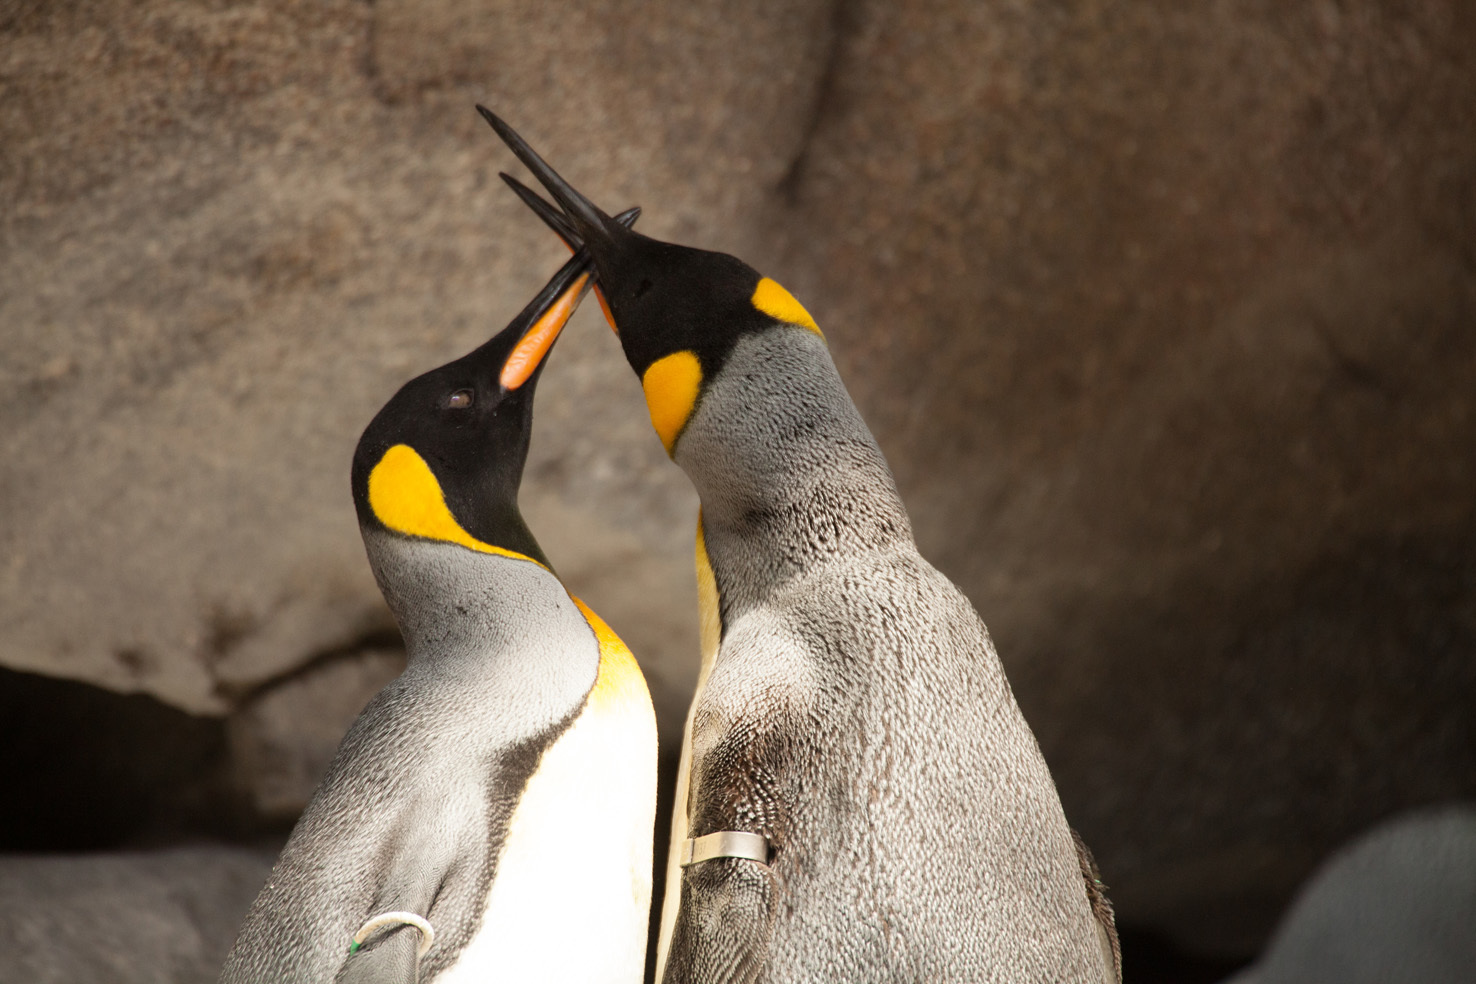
(723, 928)
(391, 960)
(729, 906)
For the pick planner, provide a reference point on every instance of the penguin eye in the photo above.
(461, 399)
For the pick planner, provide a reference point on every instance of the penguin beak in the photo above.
(539, 324)
(550, 214)
(593, 226)
(564, 229)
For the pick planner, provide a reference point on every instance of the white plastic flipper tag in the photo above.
(427, 934)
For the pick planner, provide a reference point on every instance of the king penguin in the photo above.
(860, 797)
(489, 815)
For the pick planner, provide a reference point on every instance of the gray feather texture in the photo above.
(413, 810)
(856, 714)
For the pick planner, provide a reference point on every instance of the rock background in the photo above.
(1165, 316)
(1397, 904)
(154, 917)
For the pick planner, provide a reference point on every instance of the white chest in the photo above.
(572, 894)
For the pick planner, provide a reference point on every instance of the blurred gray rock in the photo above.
(165, 917)
(1163, 315)
(1397, 906)
(284, 738)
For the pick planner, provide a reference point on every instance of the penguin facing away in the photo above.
(489, 815)
(860, 798)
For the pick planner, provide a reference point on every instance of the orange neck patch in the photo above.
(709, 615)
(619, 681)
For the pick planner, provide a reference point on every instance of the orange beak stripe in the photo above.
(605, 307)
(534, 345)
(599, 294)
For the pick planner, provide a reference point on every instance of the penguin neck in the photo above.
(451, 602)
(789, 476)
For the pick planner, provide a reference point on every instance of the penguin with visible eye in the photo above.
(489, 816)
(860, 797)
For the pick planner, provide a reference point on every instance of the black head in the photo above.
(443, 459)
(679, 311)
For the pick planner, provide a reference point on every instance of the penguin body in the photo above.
(496, 800)
(851, 708)
(855, 714)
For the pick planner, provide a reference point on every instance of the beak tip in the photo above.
(588, 218)
(492, 119)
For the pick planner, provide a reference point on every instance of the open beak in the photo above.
(579, 221)
(593, 226)
(549, 213)
(564, 229)
(540, 323)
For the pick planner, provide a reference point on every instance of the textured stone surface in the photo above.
(284, 738)
(1163, 314)
(164, 917)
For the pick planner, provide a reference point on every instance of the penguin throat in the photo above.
(752, 554)
(788, 473)
(455, 603)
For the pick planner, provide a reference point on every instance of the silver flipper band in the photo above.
(427, 934)
(726, 844)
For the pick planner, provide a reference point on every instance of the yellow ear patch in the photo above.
(671, 386)
(404, 494)
(779, 303)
